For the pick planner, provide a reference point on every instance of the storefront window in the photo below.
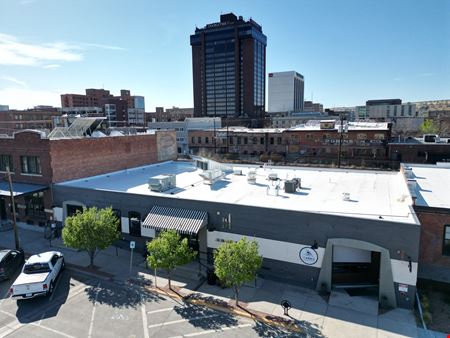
(34, 204)
(446, 246)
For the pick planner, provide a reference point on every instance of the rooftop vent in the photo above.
(346, 196)
(251, 177)
(202, 164)
(162, 182)
(237, 171)
(272, 177)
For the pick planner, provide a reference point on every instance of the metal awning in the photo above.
(182, 220)
(20, 188)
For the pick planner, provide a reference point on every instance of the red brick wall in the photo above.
(432, 237)
(28, 143)
(76, 158)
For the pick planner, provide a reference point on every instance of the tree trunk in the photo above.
(236, 295)
(170, 285)
(91, 258)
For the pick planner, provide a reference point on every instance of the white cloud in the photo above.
(13, 80)
(23, 98)
(13, 52)
(98, 45)
(51, 66)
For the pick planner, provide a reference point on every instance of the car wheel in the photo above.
(51, 288)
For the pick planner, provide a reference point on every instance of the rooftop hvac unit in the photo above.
(203, 165)
(291, 186)
(211, 176)
(162, 182)
(251, 177)
(273, 177)
(237, 171)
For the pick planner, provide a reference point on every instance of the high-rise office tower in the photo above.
(286, 92)
(229, 67)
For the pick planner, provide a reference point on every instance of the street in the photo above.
(84, 306)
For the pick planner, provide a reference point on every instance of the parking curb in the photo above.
(288, 325)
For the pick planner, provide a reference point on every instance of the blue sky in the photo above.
(348, 50)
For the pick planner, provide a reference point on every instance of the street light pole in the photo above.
(11, 192)
(340, 140)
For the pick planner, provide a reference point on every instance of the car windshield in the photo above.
(36, 268)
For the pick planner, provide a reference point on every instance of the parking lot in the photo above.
(83, 306)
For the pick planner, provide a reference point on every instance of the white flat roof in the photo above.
(374, 195)
(433, 184)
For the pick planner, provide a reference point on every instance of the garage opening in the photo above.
(355, 268)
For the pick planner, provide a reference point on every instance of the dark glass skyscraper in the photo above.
(229, 69)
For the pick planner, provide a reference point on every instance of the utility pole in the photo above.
(340, 139)
(16, 235)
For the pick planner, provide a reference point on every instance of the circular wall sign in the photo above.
(308, 256)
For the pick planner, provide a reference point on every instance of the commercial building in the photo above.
(286, 92)
(389, 109)
(429, 187)
(40, 117)
(115, 108)
(36, 160)
(292, 119)
(183, 127)
(4, 107)
(428, 149)
(310, 106)
(173, 114)
(317, 142)
(229, 69)
(321, 228)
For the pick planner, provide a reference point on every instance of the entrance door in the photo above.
(2, 209)
(135, 223)
(72, 209)
(355, 267)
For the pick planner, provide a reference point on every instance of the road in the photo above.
(83, 306)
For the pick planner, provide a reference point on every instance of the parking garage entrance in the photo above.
(355, 268)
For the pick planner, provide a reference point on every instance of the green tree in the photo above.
(91, 230)
(429, 127)
(236, 263)
(167, 251)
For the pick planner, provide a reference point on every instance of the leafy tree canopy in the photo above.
(91, 230)
(429, 127)
(237, 262)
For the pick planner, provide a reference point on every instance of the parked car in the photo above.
(38, 275)
(10, 261)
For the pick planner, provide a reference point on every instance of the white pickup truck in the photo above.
(38, 276)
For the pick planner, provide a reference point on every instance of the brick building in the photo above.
(37, 161)
(115, 108)
(173, 114)
(416, 150)
(315, 142)
(40, 117)
(429, 188)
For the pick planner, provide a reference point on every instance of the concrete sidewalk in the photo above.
(337, 315)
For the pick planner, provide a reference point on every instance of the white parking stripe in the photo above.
(8, 314)
(144, 321)
(54, 331)
(181, 321)
(227, 328)
(91, 326)
(160, 310)
(10, 328)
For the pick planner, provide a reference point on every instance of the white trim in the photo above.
(125, 225)
(268, 248)
(401, 273)
(58, 214)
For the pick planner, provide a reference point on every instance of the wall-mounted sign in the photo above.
(132, 244)
(403, 288)
(308, 256)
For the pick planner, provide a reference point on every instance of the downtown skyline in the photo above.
(349, 51)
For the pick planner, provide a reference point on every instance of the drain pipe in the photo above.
(420, 311)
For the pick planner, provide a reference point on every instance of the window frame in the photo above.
(444, 251)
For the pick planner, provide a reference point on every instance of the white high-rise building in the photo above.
(286, 92)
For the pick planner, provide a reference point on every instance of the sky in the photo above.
(348, 50)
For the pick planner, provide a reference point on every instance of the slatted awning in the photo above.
(182, 220)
